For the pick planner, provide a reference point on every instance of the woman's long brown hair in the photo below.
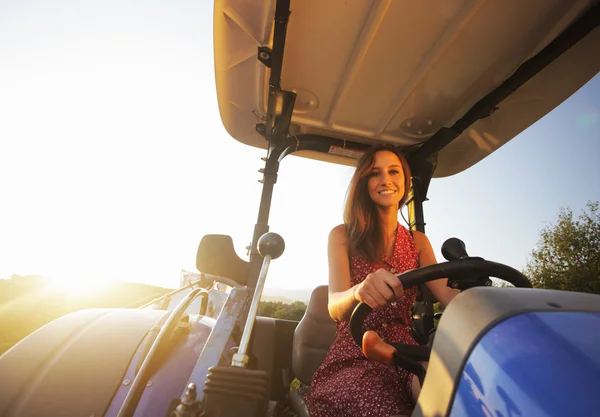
(363, 225)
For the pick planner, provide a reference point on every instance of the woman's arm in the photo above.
(341, 293)
(377, 289)
(439, 288)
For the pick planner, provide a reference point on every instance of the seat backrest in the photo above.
(313, 336)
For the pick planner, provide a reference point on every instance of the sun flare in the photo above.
(76, 287)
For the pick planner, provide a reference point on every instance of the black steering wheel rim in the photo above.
(451, 270)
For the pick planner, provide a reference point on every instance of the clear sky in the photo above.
(114, 162)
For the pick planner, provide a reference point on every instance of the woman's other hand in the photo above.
(379, 289)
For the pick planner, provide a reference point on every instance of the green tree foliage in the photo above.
(567, 256)
(279, 310)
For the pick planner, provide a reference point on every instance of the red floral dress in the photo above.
(348, 384)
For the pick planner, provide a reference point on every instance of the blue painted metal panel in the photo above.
(544, 364)
(172, 376)
(170, 380)
(220, 341)
(208, 343)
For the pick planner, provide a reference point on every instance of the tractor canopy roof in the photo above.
(453, 80)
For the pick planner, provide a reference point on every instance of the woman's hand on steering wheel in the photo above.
(379, 289)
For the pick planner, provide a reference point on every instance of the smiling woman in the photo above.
(384, 168)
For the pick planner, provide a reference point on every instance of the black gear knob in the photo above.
(271, 244)
(454, 249)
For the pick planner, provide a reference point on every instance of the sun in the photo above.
(76, 287)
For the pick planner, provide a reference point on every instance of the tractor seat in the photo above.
(313, 337)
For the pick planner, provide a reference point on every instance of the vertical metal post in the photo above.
(276, 154)
(276, 129)
(423, 306)
(416, 217)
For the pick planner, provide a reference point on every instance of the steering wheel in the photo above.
(462, 272)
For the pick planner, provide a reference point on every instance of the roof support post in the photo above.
(422, 309)
(280, 107)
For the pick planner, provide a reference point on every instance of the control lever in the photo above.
(237, 390)
(270, 246)
(374, 348)
(406, 356)
(454, 250)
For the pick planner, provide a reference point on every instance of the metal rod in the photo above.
(144, 302)
(238, 359)
(223, 280)
(282, 12)
(416, 216)
(276, 154)
(280, 108)
(139, 383)
(170, 294)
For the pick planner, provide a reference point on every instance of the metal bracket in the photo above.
(240, 359)
(264, 56)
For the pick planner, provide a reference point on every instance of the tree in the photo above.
(567, 256)
(279, 310)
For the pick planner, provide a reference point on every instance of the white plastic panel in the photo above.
(397, 70)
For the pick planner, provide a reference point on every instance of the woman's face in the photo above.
(386, 180)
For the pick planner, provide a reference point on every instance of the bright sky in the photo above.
(114, 162)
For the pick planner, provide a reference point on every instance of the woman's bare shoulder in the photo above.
(338, 234)
(421, 240)
(419, 235)
(338, 239)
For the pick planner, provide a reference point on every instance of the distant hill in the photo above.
(276, 299)
(26, 303)
(289, 295)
